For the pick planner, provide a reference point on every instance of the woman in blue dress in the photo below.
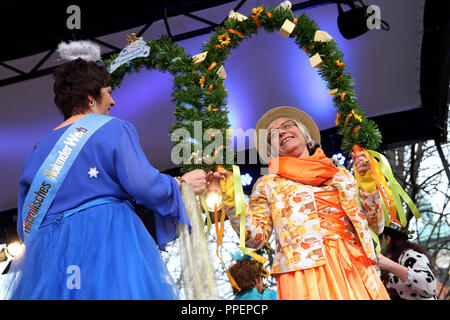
(91, 244)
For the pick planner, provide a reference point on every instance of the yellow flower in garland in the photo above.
(357, 117)
(257, 11)
(202, 81)
(339, 63)
(224, 39)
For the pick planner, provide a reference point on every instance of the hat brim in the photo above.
(287, 112)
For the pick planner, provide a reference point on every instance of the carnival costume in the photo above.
(324, 244)
(89, 243)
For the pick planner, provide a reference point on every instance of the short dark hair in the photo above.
(246, 273)
(400, 243)
(74, 81)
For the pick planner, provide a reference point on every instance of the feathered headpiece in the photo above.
(83, 49)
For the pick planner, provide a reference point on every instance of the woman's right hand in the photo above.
(196, 179)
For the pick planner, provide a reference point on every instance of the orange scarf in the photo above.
(313, 170)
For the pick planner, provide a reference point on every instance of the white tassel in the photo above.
(83, 49)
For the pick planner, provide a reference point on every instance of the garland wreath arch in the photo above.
(199, 92)
(200, 95)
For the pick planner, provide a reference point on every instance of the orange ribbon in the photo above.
(255, 18)
(219, 233)
(270, 16)
(212, 66)
(343, 96)
(348, 117)
(331, 222)
(338, 119)
(295, 29)
(356, 129)
(236, 32)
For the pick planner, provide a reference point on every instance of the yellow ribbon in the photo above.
(381, 182)
(240, 211)
(397, 191)
(377, 241)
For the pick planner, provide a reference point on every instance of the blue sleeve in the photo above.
(158, 192)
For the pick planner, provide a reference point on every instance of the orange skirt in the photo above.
(347, 275)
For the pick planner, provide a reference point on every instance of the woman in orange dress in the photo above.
(324, 247)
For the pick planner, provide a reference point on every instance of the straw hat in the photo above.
(287, 112)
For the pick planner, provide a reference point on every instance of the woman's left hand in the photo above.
(196, 179)
(214, 178)
(361, 162)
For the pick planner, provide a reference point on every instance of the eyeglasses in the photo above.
(274, 132)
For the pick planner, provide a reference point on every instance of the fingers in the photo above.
(361, 162)
(199, 179)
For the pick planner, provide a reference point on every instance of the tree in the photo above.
(420, 171)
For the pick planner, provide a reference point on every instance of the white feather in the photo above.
(83, 49)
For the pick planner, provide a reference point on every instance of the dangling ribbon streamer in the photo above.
(219, 233)
(397, 190)
(240, 211)
(377, 241)
(381, 183)
(381, 171)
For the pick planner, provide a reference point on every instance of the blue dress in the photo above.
(104, 251)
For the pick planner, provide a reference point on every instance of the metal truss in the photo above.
(168, 11)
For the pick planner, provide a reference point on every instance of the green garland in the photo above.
(353, 125)
(191, 101)
(200, 95)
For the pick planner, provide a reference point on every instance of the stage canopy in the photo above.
(401, 75)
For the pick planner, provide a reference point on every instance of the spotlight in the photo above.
(246, 179)
(213, 199)
(15, 249)
(354, 22)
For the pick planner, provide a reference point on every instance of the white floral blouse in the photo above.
(289, 208)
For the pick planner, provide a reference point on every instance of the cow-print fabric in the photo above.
(421, 283)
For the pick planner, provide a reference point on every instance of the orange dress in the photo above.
(348, 273)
